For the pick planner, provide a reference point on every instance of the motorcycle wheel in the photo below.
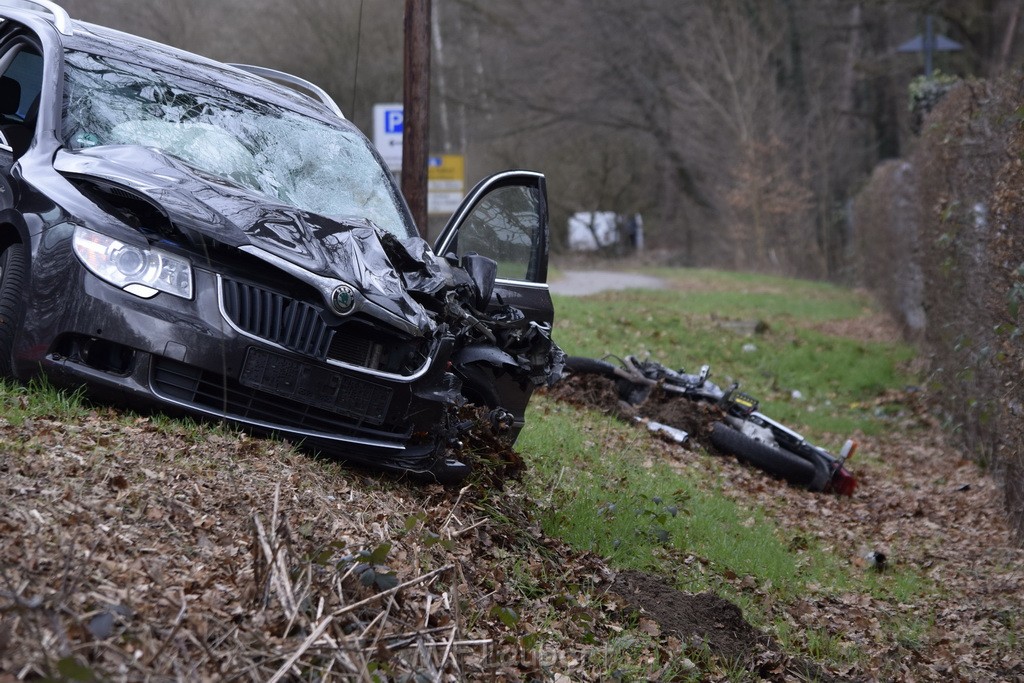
(632, 393)
(589, 366)
(13, 273)
(774, 461)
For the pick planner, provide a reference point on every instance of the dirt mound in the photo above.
(705, 622)
(693, 417)
(591, 391)
(700, 620)
(601, 394)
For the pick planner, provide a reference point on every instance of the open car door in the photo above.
(505, 218)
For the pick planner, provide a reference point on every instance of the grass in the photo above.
(603, 493)
(40, 400)
(600, 495)
(802, 376)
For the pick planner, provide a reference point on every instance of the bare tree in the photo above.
(741, 128)
(352, 48)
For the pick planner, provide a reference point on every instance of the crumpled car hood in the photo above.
(383, 268)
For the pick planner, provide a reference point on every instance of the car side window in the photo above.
(506, 225)
(21, 69)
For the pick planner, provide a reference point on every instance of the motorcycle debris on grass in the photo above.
(690, 408)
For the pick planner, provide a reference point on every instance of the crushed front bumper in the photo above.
(188, 356)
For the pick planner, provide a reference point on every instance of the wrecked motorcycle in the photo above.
(745, 432)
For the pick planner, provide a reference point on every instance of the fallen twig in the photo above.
(312, 638)
(384, 594)
(174, 629)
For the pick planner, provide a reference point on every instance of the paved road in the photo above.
(584, 282)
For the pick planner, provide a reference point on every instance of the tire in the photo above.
(774, 461)
(631, 393)
(478, 386)
(13, 275)
(590, 366)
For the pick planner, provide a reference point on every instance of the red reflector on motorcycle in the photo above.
(843, 482)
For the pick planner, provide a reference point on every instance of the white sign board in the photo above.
(388, 120)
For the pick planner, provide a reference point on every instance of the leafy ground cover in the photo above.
(137, 547)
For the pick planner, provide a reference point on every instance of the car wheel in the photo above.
(478, 386)
(13, 275)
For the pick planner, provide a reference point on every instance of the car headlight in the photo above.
(142, 271)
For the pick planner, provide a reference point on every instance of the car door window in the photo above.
(25, 70)
(20, 83)
(507, 221)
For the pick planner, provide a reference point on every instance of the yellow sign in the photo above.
(446, 167)
(446, 182)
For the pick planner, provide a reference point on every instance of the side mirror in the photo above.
(483, 272)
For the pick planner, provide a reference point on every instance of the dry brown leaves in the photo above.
(132, 552)
(877, 327)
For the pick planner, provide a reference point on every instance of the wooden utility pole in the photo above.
(416, 122)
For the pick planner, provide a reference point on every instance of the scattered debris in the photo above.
(600, 393)
(744, 432)
(876, 560)
(671, 433)
(745, 327)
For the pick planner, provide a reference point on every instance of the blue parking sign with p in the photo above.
(393, 119)
(388, 132)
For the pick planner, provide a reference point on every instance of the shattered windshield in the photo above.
(294, 159)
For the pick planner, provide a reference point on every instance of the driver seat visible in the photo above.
(13, 127)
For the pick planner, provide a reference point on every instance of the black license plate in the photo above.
(315, 385)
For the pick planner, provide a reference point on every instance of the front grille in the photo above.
(196, 387)
(300, 327)
(293, 324)
(355, 350)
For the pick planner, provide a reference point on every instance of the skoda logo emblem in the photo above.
(343, 299)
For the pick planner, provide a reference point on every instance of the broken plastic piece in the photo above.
(677, 435)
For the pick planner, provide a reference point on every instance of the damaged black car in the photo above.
(219, 240)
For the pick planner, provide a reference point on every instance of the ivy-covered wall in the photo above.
(941, 242)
